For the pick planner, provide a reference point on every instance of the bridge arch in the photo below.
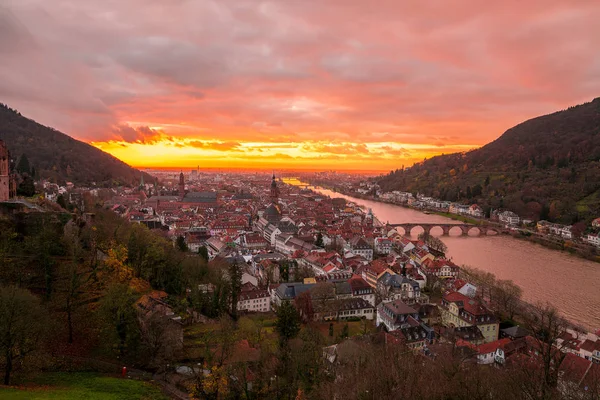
(415, 230)
(476, 231)
(491, 231)
(437, 230)
(456, 230)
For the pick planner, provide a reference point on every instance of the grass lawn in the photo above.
(198, 336)
(355, 328)
(462, 218)
(82, 386)
(583, 205)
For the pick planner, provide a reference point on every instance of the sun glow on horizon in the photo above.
(171, 152)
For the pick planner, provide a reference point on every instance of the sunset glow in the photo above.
(300, 84)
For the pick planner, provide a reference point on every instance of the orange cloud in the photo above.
(346, 84)
(220, 146)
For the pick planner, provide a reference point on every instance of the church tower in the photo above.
(274, 191)
(181, 186)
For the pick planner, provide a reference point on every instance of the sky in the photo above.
(307, 84)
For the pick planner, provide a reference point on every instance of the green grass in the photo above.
(588, 203)
(82, 386)
(461, 218)
(355, 328)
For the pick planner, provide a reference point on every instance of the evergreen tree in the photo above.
(60, 200)
(288, 322)
(235, 275)
(23, 166)
(203, 251)
(345, 331)
(181, 245)
(319, 241)
(27, 187)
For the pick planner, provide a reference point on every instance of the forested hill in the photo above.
(547, 167)
(59, 157)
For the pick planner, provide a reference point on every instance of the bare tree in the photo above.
(538, 376)
(507, 297)
(161, 337)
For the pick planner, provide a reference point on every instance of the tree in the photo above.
(235, 276)
(75, 281)
(288, 322)
(21, 326)
(434, 242)
(45, 245)
(119, 316)
(26, 187)
(60, 200)
(181, 244)
(546, 326)
(75, 274)
(23, 166)
(304, 306)
(345, 331)
(203, 251)
(160, 338)
(319, 241)
(507, 296)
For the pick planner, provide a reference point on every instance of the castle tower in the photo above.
(181, 185)
(4, 172)
(6, 184)
(274, 191)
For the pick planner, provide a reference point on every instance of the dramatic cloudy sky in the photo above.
(294, 83)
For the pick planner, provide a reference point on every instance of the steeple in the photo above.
(142, 182)
(181, 185)
(274, 190)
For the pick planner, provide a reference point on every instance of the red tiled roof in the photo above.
(492, 346)
(574, 368)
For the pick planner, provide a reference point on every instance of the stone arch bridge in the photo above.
(464, 228)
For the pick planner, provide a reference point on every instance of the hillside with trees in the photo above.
(59, 157)
(82, 295)
(544, 168)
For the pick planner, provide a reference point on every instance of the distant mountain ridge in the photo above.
(544, 168)
(59, 157)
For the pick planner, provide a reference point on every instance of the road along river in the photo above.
(569, 283)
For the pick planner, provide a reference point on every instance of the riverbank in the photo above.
(558, 244)
(580, 250)
(546, 276)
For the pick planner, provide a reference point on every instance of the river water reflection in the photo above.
(569, 283)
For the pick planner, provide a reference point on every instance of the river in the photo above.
(569, 283)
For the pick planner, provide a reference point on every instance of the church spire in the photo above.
(181, 185)
(274, 190)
